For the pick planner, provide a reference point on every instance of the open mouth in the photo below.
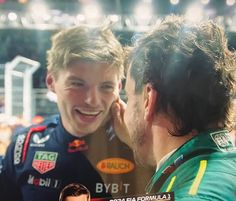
(88, 113)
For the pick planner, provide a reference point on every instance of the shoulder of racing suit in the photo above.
(21, 138)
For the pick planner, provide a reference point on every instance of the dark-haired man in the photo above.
(178, 116)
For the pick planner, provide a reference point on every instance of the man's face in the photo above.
(82, 197)
(138, 128)
(85, 92)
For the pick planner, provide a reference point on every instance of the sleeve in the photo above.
(10, 189)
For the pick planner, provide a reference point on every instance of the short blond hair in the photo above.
(96, 44)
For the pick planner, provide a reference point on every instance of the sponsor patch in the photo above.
(77, 145)
(112, 187)
(222, 140)
(44, 161)
(115, 166)
(39, 142)
(44, 182)
(18, 148)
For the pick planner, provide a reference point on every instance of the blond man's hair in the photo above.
(84, 43)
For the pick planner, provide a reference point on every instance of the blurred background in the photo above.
(26, 27)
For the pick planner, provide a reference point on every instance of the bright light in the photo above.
(23, 1)
(46, 17)
(12, 16)
(143, 10)
(92, 11)
(230, 2)
(39, 9)
(194, 13)
(114, 18)
(174, 2)
(80, 17)
(205, 2)
(143, 13)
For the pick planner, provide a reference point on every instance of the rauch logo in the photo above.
(115, 166)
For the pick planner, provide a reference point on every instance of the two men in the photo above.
(179, 86)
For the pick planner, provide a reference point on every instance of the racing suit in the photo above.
(42, 159)
(204, 168)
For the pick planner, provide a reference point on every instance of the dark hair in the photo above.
(74, 190)
(191, 68)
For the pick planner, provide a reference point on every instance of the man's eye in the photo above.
(77, 84)
(107, 88)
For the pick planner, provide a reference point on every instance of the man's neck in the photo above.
(164, 143)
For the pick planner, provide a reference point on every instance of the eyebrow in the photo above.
(74, 78)
(109, 82)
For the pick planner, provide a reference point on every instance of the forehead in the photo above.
(91, 70)
(93, 65)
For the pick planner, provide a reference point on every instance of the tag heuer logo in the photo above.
(44, 161)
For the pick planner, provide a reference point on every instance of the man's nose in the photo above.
(92, 96)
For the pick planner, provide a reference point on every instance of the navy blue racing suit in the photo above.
(42, 159)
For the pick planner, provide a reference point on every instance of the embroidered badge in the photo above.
(39, 142)
(222, 140)
(44, 161)
(77, 145)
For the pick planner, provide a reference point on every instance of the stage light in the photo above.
(38, 9)
(205, 2)
(23, 1)
(80, 18)
(40, 14)
(230, 2)
(114, 18)
(12, 16)
(143, 10)
(143, 14)
(194, 13)
(92, 10)
(174, 2)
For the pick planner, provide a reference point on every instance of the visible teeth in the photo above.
(89, 112)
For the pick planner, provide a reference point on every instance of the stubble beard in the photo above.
(142, 153)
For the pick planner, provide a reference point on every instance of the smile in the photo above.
(88, 113)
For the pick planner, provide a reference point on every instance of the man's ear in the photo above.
(50, 82)
(149, 102)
